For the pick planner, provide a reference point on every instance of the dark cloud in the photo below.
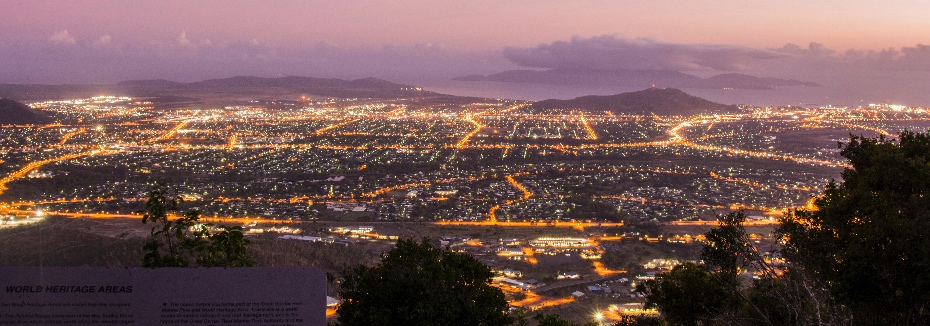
(848, 77)
(818, 60)
(612, 52)
(615, 53)
(812, 50)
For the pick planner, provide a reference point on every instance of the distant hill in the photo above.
(149, 82)
(644, 78)
(15, 113)
(365, 87)
(641, 78)
(661, 101)
(250, 86)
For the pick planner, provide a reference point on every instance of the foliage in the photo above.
(419, 284)
(728, 249)
(716, 292)
(859, 255)
(543, 319)
(688, 295)
(778, 296)
(184, 241)
(641, 320)
(869, 237)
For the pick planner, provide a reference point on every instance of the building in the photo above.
(561, 242)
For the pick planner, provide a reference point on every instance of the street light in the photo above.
(599, 317)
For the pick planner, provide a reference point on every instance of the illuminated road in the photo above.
(170, 132)
(575, 225)
(384, 190)
(756, 184)
(534, 301)
(331, 127)
(38, 164)
(248, 220)
(64, 139)
(681, 140)
(587, 127)
(604, 271)
(471, 119)
(765, 222)
(104, 215)
(513, 182)
(492, 214)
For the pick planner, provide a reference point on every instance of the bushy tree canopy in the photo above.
(869, 237)
(419, 284)
(860, 255)
(688, 295)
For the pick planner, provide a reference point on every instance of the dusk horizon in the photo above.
(57, 42)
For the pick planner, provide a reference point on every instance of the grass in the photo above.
(71, 242)
(67, 242)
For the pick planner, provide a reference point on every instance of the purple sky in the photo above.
(429, 42)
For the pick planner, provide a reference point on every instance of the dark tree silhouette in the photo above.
(869, 237)
(419, 284)
(688, 295)
(860, 254)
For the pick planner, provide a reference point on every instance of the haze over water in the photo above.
(796, 96)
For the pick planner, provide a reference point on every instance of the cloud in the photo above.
(817, 59)
(813, 50)
(916, 57)
(62, 38)
(612, 53)
(182, 39)
(814, 62)
(103, 40)
(184, 58)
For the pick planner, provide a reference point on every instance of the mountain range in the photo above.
(324, 87)
(641, 78)
(166, 94)
(16, 113)
(661, 101)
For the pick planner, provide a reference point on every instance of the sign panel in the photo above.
(264, 296)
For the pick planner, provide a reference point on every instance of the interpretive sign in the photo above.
(263, 296)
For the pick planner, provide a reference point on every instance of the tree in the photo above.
(859, 255)
(640, 320)
(183, 241)
(777, 295)
(869, 237)
(552, 320)
(688, 295)
(729, 251)
(715, 292)
(419, 284)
